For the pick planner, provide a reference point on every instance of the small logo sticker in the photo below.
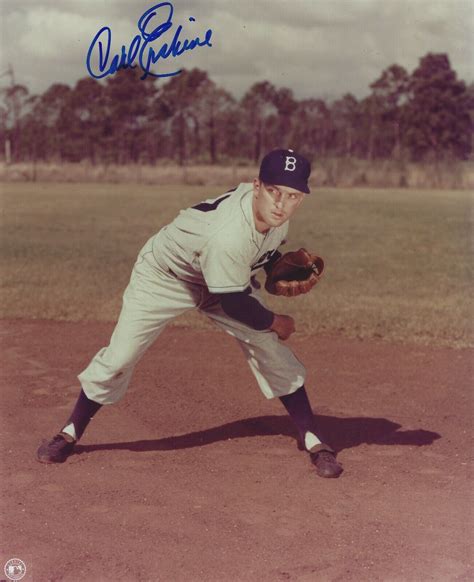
(15, 569)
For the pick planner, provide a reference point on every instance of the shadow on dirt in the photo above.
(341, 433)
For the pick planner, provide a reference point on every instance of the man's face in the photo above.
(273, 204)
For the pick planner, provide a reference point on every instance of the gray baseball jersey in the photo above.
(216, 244)
(209, 249)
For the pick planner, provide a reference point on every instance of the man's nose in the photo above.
(280, 200)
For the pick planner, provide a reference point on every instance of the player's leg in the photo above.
(281, 375)
(57, 449)
(310, 438)
(153, 297)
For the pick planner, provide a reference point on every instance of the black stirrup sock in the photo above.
(83, 413)
(299, 409)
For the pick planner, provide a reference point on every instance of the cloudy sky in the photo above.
(320, 48)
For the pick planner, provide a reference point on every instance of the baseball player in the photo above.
(207, 258)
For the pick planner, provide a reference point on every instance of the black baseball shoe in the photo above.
(323, 458)
(326, 464)
(56, 450)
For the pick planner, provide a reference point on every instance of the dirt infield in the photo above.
(194, 476)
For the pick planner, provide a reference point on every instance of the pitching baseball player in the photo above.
(207, 258)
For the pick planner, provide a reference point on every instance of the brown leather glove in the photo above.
(294, 273)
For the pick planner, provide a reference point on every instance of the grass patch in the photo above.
(398, 262)
(329, 172)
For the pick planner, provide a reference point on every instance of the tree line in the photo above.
(427, 114)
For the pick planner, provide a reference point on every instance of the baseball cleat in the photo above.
(326, 464)
(56, 450)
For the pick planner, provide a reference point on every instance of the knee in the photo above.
(120, 360)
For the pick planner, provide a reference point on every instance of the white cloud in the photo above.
(316, 47)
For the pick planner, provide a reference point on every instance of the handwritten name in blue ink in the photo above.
(152, 24)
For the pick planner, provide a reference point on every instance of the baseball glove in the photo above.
(294, 273)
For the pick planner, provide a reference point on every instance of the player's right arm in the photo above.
(283, 326)
(246, 309)
(225, 268)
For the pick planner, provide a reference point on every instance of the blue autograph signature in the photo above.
(151, 27)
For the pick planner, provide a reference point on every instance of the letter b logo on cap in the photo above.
(290, 163)
(285, 168)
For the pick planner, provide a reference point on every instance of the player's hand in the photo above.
(283, 326)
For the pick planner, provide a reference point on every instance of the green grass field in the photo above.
(398, 262)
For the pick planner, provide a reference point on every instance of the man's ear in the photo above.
(256, 186)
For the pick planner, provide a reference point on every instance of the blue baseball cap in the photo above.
(286, 168)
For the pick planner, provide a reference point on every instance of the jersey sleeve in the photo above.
(224, 264)
(246, 309)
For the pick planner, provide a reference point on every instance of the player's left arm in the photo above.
(273, 259)
(276, 254)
